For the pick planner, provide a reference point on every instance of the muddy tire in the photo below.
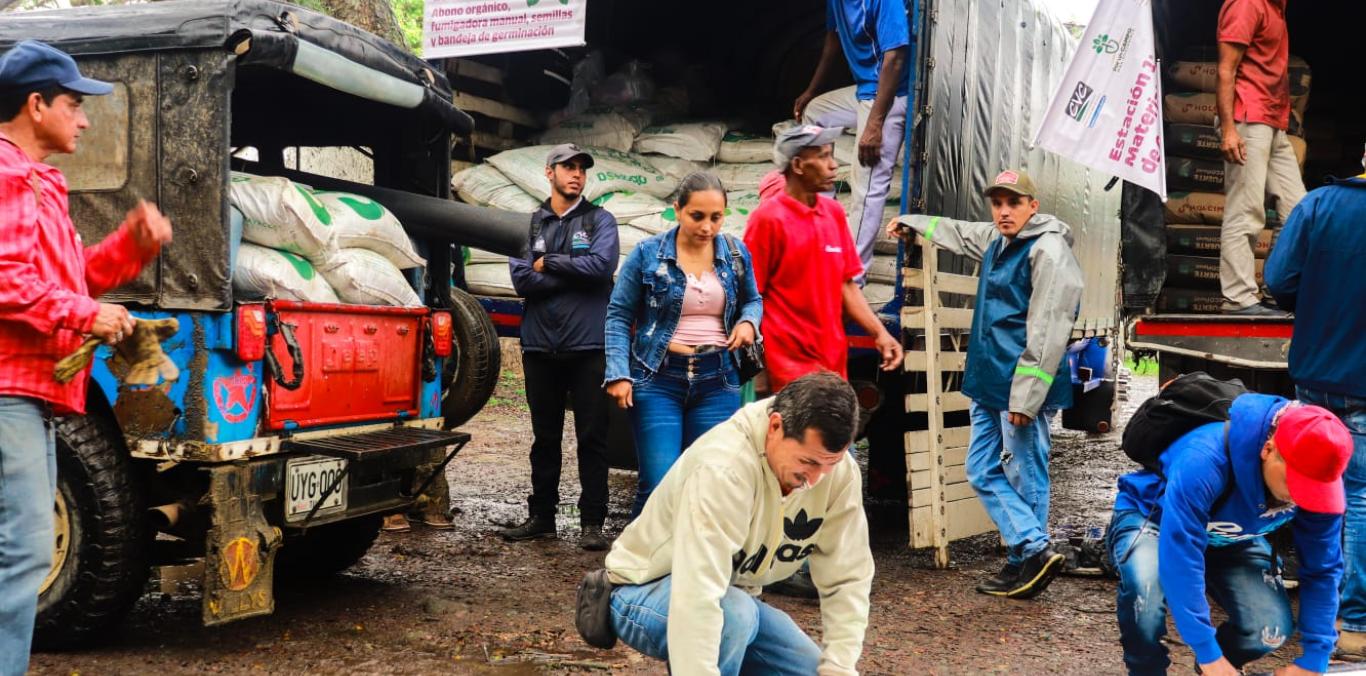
(324, 551)
(472, 370)
(102, 569)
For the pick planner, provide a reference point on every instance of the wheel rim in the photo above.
(61, 544)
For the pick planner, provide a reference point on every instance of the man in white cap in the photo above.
(48, 285)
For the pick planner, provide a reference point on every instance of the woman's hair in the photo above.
(698, 181)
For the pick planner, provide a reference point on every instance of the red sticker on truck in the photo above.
(235, 395)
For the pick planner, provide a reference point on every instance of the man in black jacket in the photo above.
(566, 280)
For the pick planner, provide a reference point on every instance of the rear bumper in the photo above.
(1244, 342)
(198, 451)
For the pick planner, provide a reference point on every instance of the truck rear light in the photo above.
(251, 332)
(441, 333)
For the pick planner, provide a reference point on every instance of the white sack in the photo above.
(268, 273)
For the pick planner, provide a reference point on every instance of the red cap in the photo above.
(1316, 447)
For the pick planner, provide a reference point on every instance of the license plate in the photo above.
(306, 479)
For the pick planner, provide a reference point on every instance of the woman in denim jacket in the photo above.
(691, 304)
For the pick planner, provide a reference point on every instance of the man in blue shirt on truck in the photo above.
(1198, 527)
(1315, 272)
(873, 35)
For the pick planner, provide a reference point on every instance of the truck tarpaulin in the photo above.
(1107, 114)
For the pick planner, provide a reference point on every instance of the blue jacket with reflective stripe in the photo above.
(1027, 301)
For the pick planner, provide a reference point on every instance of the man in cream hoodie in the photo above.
(745, 506)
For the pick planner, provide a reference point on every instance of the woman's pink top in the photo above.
(703, 303)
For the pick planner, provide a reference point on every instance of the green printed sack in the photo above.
(741, 148)
(740, 204)
(362, 223)
(484, 186)
(363, 277)
(612, 171)
(267, 273)
(279, 214)
(696, 141)
(627, 205)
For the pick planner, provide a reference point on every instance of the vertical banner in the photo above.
(1107, 113)
(452, 28)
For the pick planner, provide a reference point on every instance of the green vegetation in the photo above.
(409, 13)
(1147, 367)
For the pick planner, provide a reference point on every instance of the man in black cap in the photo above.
(48, 285)
(566, 281)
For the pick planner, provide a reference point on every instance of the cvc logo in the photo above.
(1104, 45)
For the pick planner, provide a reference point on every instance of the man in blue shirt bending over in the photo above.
(1198, 527)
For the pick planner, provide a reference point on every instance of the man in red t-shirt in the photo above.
(1254, 115)
(805, 265)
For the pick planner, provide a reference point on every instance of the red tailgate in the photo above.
(361, 363)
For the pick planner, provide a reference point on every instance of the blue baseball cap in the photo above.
(35, 65)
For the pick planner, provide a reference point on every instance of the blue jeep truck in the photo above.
(293, 428)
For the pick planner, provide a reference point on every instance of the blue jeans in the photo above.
(1008, 467)
(756, 638)
(675, 405)
(1240, 578)
(28, 484)
(1352, 411)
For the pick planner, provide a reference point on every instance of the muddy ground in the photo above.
(465, 602)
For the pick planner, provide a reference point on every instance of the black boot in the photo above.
(592, 539)
(1036, 573)
(1001, 583)
(798, 586)
(533, 528)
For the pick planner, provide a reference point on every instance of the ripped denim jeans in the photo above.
(1239, 577)
(1008, 467)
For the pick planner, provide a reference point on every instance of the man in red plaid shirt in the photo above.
(48, 282)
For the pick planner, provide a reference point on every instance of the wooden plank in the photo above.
(945, 282)
(494, 142)
(477, 71)
(919, 442)
(938, 520)
(944, 403)
(967, 518)
(918, 462)
(919, 360)
(921, 528)
(478, 104)
(955, 474)
(955, 457)
(922, 497)
(945, 318)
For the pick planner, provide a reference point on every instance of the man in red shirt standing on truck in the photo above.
(48, 281)
(1254, 115)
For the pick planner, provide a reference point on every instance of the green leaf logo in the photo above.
(370, 211)
(318, 209)
(301, 266)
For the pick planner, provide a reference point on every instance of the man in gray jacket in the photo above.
(1016, 374)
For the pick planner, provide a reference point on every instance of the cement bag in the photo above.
(1194, 208)
(363, 277)
(1196, 76)
(483, 185)
(740, 148)
(268, 273)
(696, 141)
(1195, 141)
(612, 171)
(741, 176)
(489, 279)
(1195, 175)
(627, 205)
(1190, 108)
(362, 223)
(281, 215)
(882, 270)
(601, 129)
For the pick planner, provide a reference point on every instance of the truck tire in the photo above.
(472, 370)
(324, 551)
(103, 548)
